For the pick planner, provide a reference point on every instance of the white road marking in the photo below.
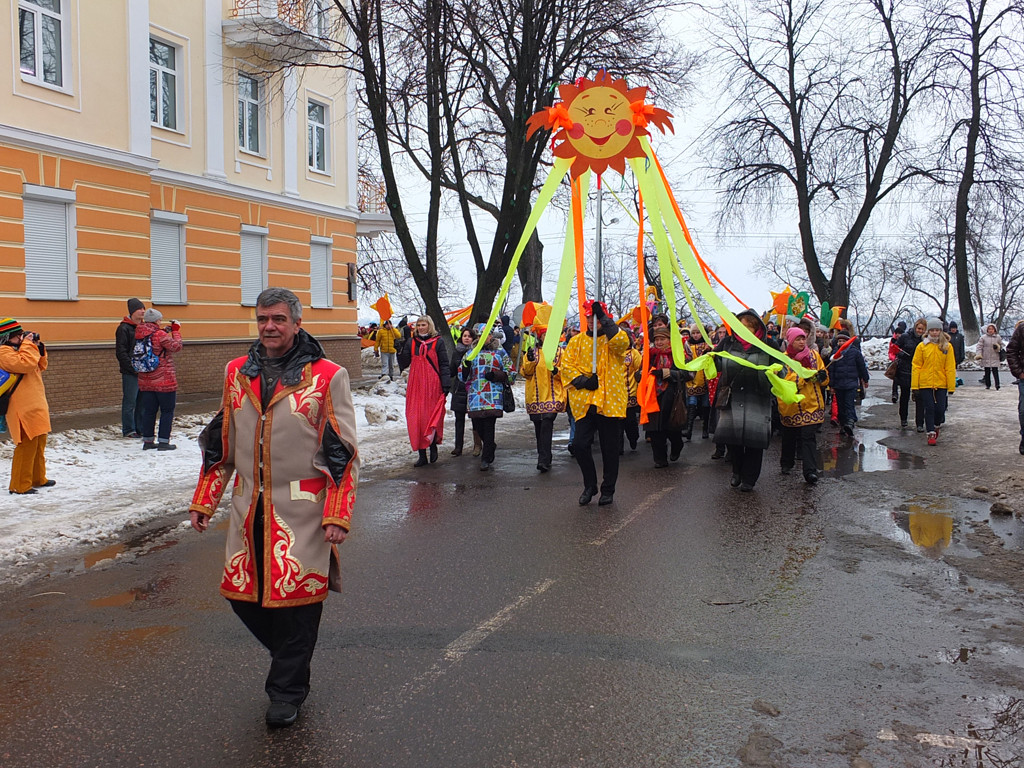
(456, 650)
(647, 504)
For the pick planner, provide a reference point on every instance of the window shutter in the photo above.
(47, 266)
(352, 291)
(254, 268)
(166, 263)
(320, 274)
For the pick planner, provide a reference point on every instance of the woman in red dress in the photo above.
(424, 354)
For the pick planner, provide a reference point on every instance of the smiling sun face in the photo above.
(599, 123)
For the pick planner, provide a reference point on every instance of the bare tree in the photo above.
(823, 96)
(926, 262)
(981, 47)
(997, 263)
(382, 270)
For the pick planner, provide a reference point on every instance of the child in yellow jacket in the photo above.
(933, 377)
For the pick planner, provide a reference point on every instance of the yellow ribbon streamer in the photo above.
(560, 304)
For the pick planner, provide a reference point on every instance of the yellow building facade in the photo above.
(147, 150)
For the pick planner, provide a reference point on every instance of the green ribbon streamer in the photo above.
(563, 291)
(546, 193)
(650, 186)
(782, 388)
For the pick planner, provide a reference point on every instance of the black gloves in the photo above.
(608, 327)
(467, 371)
(585, 382)
(554, 371)
(822, 376)
(489, 375)
(498, 377)
(598, 310)
(658, 373)
(531, 355)
(638, 375)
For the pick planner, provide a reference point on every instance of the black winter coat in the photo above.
(460, 395)
(849, 369)
(956, 340)
(744, 398)
(907, 344)
(124, 343)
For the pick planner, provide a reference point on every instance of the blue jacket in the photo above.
(485, 397)
(849, 369)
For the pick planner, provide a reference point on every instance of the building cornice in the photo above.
(42, 142)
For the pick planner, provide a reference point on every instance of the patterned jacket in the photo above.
(299, 452)
(810, 410)
(483, 397)
(545, 394)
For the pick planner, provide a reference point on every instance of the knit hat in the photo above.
(660, 332)
(8, 327)
(134, 305)
(953, 326)
(792, 334)
(152, 316)
(901, 327)
(934, 324)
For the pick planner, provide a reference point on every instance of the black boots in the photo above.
(422, 460)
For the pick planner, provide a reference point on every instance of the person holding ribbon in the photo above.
(593, 364)
(744, 399)
(800, 420)
(545, 396)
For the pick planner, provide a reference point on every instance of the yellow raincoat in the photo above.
(810, 410)
(545, 393)
(933, 368)
(611, 396)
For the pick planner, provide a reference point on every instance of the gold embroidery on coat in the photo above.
(292, 577)
(307, 403)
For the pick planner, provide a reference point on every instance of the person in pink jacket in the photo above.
(158, 388)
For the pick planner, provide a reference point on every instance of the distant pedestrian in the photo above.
(460, 396)
(632, 363)
(894, 349)
(934, 377)
(697, 402)
(990, 350)
(906, 346)
(800, 421)
(1015, 359)
(158, 387)
(28, 415)
(847, 373)
(664, 427)
(956, 340)
(384, 344)
(545, 396)
(425, 356)
(486, 377)
(744, 399)
(124, 342)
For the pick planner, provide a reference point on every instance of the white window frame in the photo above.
(175, 73)
(250, 295)
(40, 286)
(321, 10)
(63, 17)
(321, 272)
(174, 291)
(243, 114)
(311, 128)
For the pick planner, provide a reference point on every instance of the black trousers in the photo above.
(484, 426)
(994, 373)
(904, 385)
(460, 429)
(746, 462)
(543, 427)
(608, 430)
(289, 634)
(801, 439)
(631, 426)
(661, 440)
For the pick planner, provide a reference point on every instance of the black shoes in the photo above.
(485, 465)
(674, 456)
(281, 714)
(571, 449)
(433, 453)
(746, 487)
(605, 500)
(456, 451)
(786, 470)
(166, 447)
(543, 467)
(735, 481)
(1021, 448)
(148, 446)
(587, 495)
(48, 484)
(33, 490)
(719, 452)
(660, 464)
(422, 460)
(811, 478)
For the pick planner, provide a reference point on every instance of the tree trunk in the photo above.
(531, 269)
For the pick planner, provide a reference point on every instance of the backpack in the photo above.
(144, 359)
(8, 383)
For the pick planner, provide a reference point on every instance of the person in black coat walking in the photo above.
(847, 373)
(124, 343)
(906, 345)
(956, 341)
(467, 340)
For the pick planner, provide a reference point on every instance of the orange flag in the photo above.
(383, 307)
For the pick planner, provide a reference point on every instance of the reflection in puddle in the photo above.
(929, 523)
(842, 456)
(999, 745)
(107, 553)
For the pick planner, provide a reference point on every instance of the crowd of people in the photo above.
(737, 408)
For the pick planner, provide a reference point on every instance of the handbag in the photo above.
(1002, 355)
(890, 371)
(508, 400)
(677, 417)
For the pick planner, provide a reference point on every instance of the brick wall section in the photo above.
(85, 378)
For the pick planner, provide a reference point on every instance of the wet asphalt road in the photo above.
(487, 620)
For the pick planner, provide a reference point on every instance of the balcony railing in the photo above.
(372, 194)
(296, 29)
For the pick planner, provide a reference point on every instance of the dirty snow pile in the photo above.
(876, 353)
(106, 482)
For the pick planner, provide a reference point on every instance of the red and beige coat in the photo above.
(304, 448)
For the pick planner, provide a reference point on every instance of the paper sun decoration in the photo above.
(601, 125)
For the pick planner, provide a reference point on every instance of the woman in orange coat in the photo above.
(28, 415)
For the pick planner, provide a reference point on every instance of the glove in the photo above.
(598, 311)
(591, 382)
(608, 327)
(554, 371)
(489, 375)
(467, 371)
(175, 325)
(657, 373)
(822, 377)
(638, 375)
(531, 355)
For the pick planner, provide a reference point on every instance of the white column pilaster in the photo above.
(215, 81)
(139, 133)
(290, 130)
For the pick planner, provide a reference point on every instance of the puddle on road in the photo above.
(932, 526)
(841, 456)
(994, 742)
(421, 499)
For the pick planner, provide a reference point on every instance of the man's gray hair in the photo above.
(272, 296)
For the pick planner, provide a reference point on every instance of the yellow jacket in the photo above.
(810, 410)
(610, 397)
(932, 368)
(634, 359)
(698, 385)
(386, 338)
(544, 390)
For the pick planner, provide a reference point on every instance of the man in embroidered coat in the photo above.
(286, 430)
